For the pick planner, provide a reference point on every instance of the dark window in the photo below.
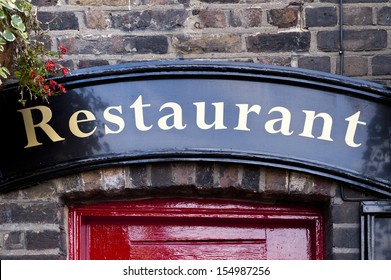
(376, 230)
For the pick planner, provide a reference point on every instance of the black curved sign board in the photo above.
(179, 111)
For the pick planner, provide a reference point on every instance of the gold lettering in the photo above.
(74, 123)
(284, 121)
(309, 124)
(114, 119)
(30, 126)
(353, 121)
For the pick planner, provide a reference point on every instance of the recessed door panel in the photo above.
(180, 230)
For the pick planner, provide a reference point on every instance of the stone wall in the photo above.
(33, 221)
(297, 33)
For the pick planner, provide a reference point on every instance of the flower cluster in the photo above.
(38, 82)
(28, 61)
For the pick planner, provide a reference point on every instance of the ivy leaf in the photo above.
(17, 23)
(8, 35)
(2, 41)
(20, 5)
(8, 4)
(17, 74)
(4, 72)
(22, 34)
(11, 2)
(2, 14)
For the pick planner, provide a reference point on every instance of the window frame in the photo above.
(370, 210)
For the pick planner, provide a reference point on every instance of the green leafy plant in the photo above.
(31, 63)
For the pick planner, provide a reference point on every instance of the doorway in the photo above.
(164, 229)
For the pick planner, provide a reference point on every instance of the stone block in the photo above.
(186, 44)
(381, 65)
(246, 18)
(96, 19)
(324, 187)
(92, 63)
(276, 181)
(354, 1)
(275, 60)
(357, 16)
(5, 213)
(42, 212)
(138, 175)
(101, 44)
(204, 175)
(345, 213)
(70, 183)
(147, 44)
(161, 175)
(99, 2)
(354, 66)
(149, 19)
(228, 175)
(43, 191)
(114, 178)
(42, 3)
(92, 180)
(212, 18)
(346, 256)
(162, 2)
(354, 40)
(98, 44)
(43, 240)
(384, 16)
(135, 20)
(14, 240)
(58, 21)
(300, 183)
(33, 257)
(251, 177)
(321, 17)
(319, 63)
(346, 237)
(220, 1)
(281, 42)
(183, 174)
(284, 18)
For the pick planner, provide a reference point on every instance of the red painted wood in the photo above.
(194, 229)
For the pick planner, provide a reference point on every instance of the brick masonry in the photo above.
(303, 33)
(33, 221)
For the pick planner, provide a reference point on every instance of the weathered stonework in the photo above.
(120, 31)
(33, 220)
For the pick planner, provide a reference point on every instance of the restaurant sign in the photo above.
(180, 111)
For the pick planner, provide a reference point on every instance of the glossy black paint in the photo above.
(185, 83)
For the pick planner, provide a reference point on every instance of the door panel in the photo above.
(133, 240)
(289, 243)
(191, 229)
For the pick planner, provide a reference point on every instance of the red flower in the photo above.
(53, 84)
(62, 49)
(40, 80)
(50, 65)
(64, 71)
(32, 74)
(48, 91)
(62, 88)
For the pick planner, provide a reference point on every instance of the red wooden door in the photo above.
(194, 229)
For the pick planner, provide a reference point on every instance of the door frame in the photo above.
(200, 209)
